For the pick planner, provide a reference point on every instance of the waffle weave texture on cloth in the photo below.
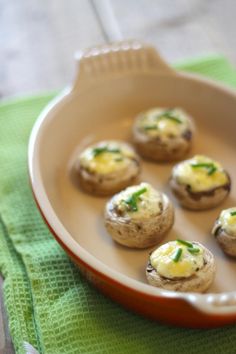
(49, 304)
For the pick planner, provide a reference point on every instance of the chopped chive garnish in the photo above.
(173, 118)
(150, 127)
(185, 243)
(212, 170)
(113, 150)
(141, 191)
(210, 167)
(177, 255)
(118, 159)
(132, 203)
(169, 115)
(193, 250)
(100, 150)
(203, 165)
(233, 213)
(133, 199)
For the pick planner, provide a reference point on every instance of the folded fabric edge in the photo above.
(8, 256)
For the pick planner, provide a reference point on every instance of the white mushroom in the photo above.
(200, 183)
(224, 230)
(163, 134)
(181, 266)
(139, 216)
(107, 167)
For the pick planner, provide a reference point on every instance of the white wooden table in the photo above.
(38, 40)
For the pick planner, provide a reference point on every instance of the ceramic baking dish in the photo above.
(113, 84)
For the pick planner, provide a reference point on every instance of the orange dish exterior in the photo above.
(167, 310)
(140, 80)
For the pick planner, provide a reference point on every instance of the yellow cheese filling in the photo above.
(107, 157)
(227, 220)
(139, 202)
(164, 122)
(176, 260)
(201, 173)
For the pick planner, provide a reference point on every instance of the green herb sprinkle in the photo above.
(177, 255)
(132, 200)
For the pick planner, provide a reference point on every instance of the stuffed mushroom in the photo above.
(181, 266)
(200, 183)
(163, 134)
(224, 230)
(107, 167)
(139, 216)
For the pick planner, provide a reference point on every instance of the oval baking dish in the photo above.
(114, 84)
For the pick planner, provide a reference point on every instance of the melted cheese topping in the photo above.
(199, 179)
(154, 125)
(149, 203)
(107, 161)
(228, 221)
(162, 260)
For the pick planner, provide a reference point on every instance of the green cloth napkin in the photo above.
(49, 303)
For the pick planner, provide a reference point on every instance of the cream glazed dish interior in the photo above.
(113, 85)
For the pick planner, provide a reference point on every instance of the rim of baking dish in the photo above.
(212, 303)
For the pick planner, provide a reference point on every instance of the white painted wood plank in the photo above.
(109, 24)
(180, 28)
(38, 40)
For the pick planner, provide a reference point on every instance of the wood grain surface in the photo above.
(38, 40)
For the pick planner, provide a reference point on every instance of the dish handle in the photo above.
(117, 59)
(217, 304)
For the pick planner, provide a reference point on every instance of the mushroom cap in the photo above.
(199, 282)
(104, 185)
(109, 183)
(199, 200)
(156, 149)
(163, 148)
(226, 241)
(139, 233)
